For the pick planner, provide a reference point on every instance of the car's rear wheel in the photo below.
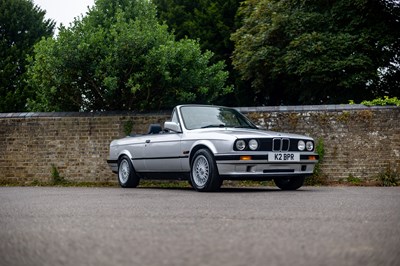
(289, 183)
(204, 173)
(126, 173)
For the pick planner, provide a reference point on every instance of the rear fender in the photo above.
(125, 152)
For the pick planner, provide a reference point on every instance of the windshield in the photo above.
(195, 117)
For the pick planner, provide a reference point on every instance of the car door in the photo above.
(162, 152)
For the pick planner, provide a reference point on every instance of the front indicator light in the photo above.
(312, 158)
(245, 158)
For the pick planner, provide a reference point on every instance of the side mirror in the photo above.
(172, 126)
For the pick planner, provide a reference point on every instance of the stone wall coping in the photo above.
(313, 108)
(79, 114)
(297, 108)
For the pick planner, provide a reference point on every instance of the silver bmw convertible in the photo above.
(209, 144)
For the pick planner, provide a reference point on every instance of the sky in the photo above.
(64, 11)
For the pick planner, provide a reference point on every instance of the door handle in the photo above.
(147, 141)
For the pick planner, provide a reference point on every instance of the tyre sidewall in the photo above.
(133, 179)
(213, 182)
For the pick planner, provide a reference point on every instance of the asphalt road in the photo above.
(158, 226)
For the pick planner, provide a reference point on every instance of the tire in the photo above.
(204, 173)
(286, 183)
(190, 182)
(126, 173)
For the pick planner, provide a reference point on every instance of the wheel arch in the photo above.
(124, 153)
(127, 176)
(207, 179)
(201, 145)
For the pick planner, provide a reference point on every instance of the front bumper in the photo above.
(260, 168)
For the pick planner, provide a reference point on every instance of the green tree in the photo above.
(22, 24)
(312, 52)
(211, 22)
(119, 57)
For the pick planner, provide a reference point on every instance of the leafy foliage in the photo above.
(211, 22)
(56, 178)
(351, 179)
(310, 52)
(119, 57)
(22, 24)
(390, 177)
(382, 101)
(318, 177)
(128, 125)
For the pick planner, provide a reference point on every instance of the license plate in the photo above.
(283, 157)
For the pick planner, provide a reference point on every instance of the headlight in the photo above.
(301, 145)
(253, 144)
(309, 146)
(240, 145)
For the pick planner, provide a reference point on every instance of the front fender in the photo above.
(197, 145)
(217, 146)
(203, 143)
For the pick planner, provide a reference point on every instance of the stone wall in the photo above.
(358, 140)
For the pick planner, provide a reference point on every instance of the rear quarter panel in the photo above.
(131, 147)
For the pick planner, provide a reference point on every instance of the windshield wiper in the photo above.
(247, 126)
(217, 125)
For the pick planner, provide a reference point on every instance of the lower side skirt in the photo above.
(254, 177)
(165, 175)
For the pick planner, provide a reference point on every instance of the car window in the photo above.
(205, 116)
(174, 117)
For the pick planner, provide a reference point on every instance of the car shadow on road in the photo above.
(260, 190)
(230, 189)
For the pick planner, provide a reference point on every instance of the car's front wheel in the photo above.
(292, 183)
(204, 173)
(126, 173)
